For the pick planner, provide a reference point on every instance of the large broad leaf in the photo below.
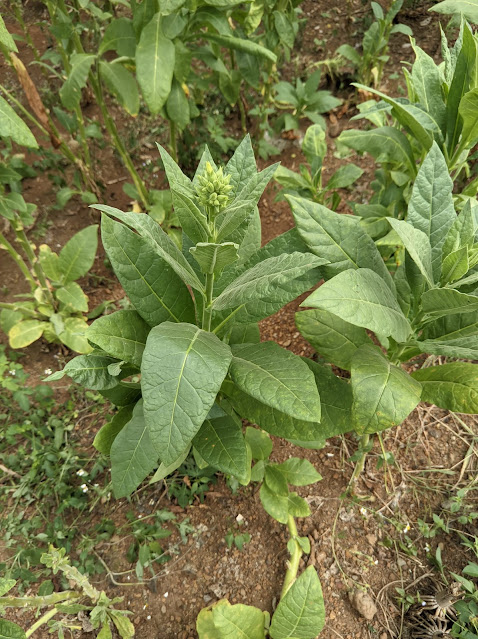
(272, 420)
(362, 298)
(13, 127)
(298, 472)
(277, 378)
(221, 444)
(213, 258)
(156, 292)
(90, 371)
(182, 371)
(161, 243)
(72, 334)
(123, 394)
(122, 85)
(314, 146)
(468, 111)
(344, 176)
(300, 613)
(239, 44)
(242, 166)
(418, 246)
(463, 230)
(336, 401)
(77, 256)
(223, 621)
(10, 630)
(261, 279)
(338, 238)
(73, 297)
(431, 207)
(384, 394)
(452, 386)
(427, 83)
(70, 92)
(192, 219)
(452, 336)
(155, 56)
(281, 506)
(440, 302)
(469, 8)
(25, 333)
(5, 37)
(133, 455)
(385, 144)
(122, 335)
(119, 36)
(107, 434)
(332, 337)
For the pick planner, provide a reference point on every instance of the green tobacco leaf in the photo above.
(70, 92)
(107, 434)
(223, 621)
(361, 298)
(49, 262)
(332, 337)
(122, 335)
(462, 232)
(260, 280)
(242, 166)
(155, 57)
(300, 613)
(156, 292)
(385, 144)
(213, 258)
(77, 256)
(468, 110)
(431, 208)
(163, 470)
(276, 481)
(239, 44)
(279, 507)
(119, 36)
(270, 419)
(182, 371)
(452, 336)
(159, 241)
(73, 296)
(25, 333)
(73, 334)
(440, 302)
(384, 395)
(13, 127)
(336, 401)
(191, 218)
(10, 630)
(122, 85)
(314, 146)
(133, 455)
(298, 472)
(277, 378)
(6, 585)
(123, 394)
(455, 265)
(5, 37)
(344, 176)
(260, 443)
(427, 82)
(418, 246)
(338, 238)
(469, 8)
(452, 386)
(221, 444)
(91, 371)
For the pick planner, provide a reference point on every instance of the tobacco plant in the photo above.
(309, 181)
(429, 307)
(193, 333)
(440, 108)
(370, 62)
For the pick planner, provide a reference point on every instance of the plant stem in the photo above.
(19, 261)
(13, 307)
(207, 310)
(293, 566)
(44, 619)
(37, 269)
(359, 466)
(35, 602)
(173, 142)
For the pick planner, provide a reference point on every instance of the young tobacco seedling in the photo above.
(308, 182)
(301, 607)
(429, 306)
(55, 305)
(305, 100)
(193, 335)
(440, 108)
(369, 64)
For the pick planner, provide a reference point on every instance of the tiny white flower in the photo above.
(96, 485)
(139, 516)
(239, 518)
(48, 371)
(330, 454)
(144, 607)
(166, 594)
(12, 373)
(128, 577)
(427, 547)
(363, 511)
(376, 562)
(424, 603)
(148, 617)
(81, 472)
(407, 528)
(84, 488)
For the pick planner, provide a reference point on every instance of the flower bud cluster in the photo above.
(213, 190)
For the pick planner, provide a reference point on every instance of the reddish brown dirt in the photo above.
(205, 569)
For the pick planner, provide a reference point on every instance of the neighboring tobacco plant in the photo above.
(441, 107)
(309, 182)
(430, 305)
(370, 62)
(86, 598)
(193, 333)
